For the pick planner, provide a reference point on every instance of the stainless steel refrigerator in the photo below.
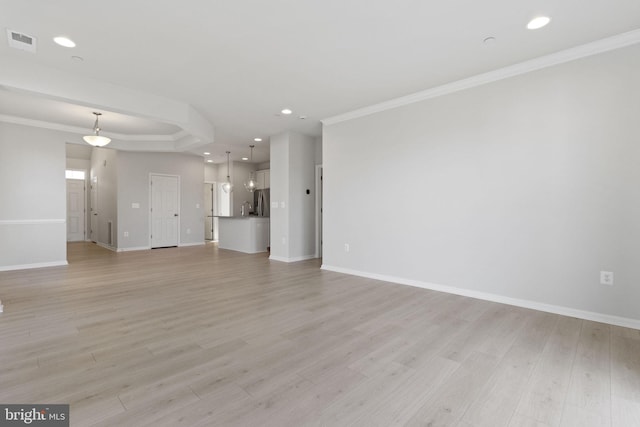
(261, 202)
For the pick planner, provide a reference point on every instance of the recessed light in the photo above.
(245, 158)
(209, 161)
(64, 41)
(538, 22)
(489, 40)
(286, 111)
(257, 139)
(206, 153)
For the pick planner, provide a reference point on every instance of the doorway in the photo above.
(76, 206)
(165, 210)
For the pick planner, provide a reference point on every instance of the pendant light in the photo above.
(251, 184)
(96, 140)
(227, 187)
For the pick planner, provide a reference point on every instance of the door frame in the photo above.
(214, 204)
(319, 188)
(151, 175)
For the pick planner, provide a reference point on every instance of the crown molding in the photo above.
(589, 49)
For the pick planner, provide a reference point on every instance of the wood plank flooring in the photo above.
(199, 336)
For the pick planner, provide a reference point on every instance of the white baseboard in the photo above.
(104, 245)
(34, 265)
(294, 259)
(184, 245)
(139, 248)
(549, 308)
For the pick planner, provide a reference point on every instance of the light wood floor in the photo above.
(199, 336)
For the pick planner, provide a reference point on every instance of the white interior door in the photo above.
(76, 212)
(93, 229)
(165, 202)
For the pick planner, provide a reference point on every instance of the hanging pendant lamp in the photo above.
(251, 184)
(227, 187)
(96, 140)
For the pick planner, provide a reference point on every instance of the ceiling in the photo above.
(236, 64)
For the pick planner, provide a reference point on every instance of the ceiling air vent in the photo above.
(21, 41)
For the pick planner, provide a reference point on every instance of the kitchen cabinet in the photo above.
(263, 179)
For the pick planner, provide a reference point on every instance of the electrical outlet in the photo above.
(346, 247)
(284, 240)
(126, 234)
(188, 231)
(606, 278)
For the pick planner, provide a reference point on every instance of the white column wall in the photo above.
(32, 197)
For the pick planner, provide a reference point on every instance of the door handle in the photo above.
(175, 214)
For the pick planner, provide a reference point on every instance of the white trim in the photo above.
(104, 245)
(139, 248)
(589, 49)
(31, 221)
(184, 245)
(549, 308)
(294, 259)
(35, 265)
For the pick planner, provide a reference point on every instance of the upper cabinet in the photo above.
(263, 179)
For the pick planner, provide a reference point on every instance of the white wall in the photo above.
(302, 205)
(318, 150)
(292, 173)
(133, 178)
(525, 188)
(32, 197)
(279, 193)
(211, 172)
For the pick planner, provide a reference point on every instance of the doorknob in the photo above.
(175, 214)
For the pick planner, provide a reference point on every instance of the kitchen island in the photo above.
(248, 234)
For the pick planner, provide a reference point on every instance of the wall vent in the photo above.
(21, 41)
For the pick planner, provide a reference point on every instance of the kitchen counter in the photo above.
(248, 234)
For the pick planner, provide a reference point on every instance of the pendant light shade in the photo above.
(251, 184)
(227, 187)
(96, 140)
